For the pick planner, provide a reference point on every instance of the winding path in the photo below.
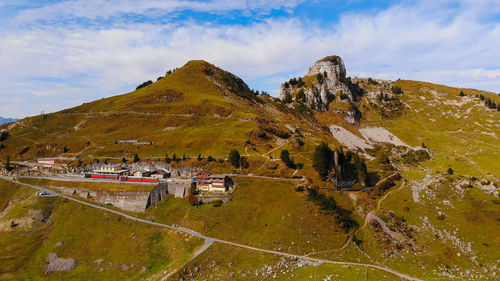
(210, 240)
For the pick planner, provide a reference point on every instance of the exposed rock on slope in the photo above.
(324, 81)
(56, 264)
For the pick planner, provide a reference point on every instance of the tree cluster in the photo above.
(235, 158)
(4, 135)
(490, 104)
(323, 160)
(285, 157)
(371, 81)
(149, 82)
(295, 82)
(350, 164)
(397, 90)
(301, 96)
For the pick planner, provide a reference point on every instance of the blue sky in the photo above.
(58, 54)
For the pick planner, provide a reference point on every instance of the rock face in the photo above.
(344, 174)
(327, 81)
(56, 264)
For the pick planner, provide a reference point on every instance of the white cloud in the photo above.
(103, 9)
(449, 44)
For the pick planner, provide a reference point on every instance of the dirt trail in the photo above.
(199, 235)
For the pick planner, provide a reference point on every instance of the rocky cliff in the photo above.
(324, 81)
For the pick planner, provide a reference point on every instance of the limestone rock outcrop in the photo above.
(326, 80)
(57, 264)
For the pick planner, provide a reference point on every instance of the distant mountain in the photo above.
(7, 120)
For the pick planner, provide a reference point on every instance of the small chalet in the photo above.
(142, 173)
(160, 174)
(111, 170)
(211, 183)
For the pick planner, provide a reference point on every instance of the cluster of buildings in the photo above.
(119, 173)
(204, 181)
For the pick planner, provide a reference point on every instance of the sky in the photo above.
(59, 54)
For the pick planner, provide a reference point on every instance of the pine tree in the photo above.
(322, 159)
(301, 97)
(8, 167)
(234, 158)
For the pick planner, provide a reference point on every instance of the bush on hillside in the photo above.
(136, 158)
(373, 82)
(149, 82)
(24, 150)
(397, 90)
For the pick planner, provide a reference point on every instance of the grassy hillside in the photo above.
(46, 225)
(197, 109)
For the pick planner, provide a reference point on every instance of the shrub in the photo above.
(299, 188)
(24, 150)
(210, 159)
(373, 82)
(462, 93)
(288, 98)
(136, 158)
(217, 203)
(397, 90)
(319, 77)
(450, 171)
